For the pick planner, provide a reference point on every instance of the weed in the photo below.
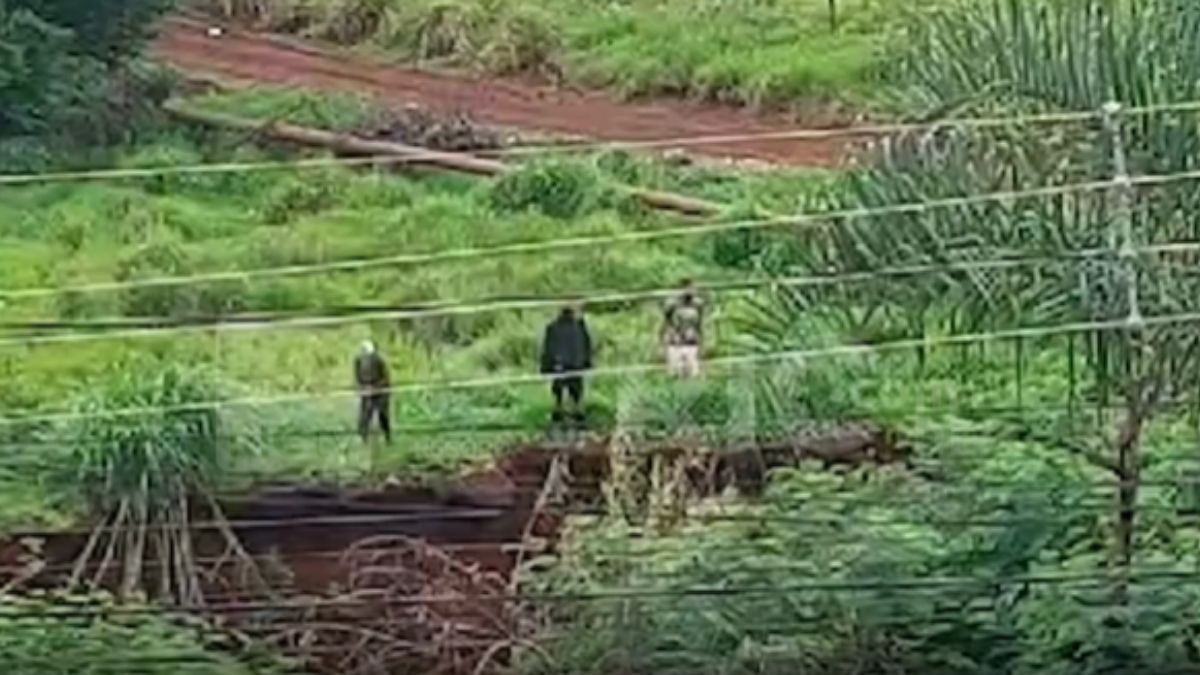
(560, 189)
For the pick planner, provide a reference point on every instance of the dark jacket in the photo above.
(567, 346)
(371, 371)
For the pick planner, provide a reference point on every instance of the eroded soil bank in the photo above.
(415, 578)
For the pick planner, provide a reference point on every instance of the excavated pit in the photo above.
(405, 579)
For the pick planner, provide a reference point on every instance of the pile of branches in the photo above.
(409, 608)
(456, 132)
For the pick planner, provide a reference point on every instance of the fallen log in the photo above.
(346, 144)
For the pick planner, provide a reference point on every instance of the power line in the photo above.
(616, 371)
(258, 322)
(425, 155)
(526, 248)
(386, 599)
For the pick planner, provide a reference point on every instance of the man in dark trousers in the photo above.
(566, 354)
(371, 378)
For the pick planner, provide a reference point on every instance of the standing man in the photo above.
(566, 354)
(371, 378)
(683, 332)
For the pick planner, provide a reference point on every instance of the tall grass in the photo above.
(765, 52)
(145, 472)
(76, 234)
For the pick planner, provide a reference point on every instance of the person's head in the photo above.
(572, 309)
(689, 289)
(368, 347)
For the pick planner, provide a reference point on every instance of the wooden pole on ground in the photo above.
(346, 144)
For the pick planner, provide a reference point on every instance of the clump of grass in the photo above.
(556, 188)
(142, 470)
(754, 53)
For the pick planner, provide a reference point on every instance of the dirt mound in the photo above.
(448, 132)
(238, 56)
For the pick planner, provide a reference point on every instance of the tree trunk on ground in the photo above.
(463, 162)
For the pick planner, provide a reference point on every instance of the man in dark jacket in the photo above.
(566, 354)
(371, 378)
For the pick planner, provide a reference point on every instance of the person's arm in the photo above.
(547, 360)
(587, 345)
(384, 373)
(665, 329)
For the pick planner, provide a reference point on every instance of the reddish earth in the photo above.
(245, 57)
(386, 550)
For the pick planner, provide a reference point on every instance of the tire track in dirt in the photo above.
(244, 57)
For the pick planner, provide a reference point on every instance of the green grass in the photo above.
(747, 52)
(80, 233)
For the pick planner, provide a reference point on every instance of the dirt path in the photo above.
(239, 56)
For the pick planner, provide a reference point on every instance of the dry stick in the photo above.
(192, 581)
(89, 550)
(247, 563)
(119, 531)
(461, 162)
(163, 545)
(135, 553)
(550, 485)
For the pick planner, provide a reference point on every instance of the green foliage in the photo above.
(826, 566)
(337, 112)
(166, 257)
(109, 35)
(63, 70)
(158, 455)
(761, 52)
(559, 189)
(33, 641)
(37, 76)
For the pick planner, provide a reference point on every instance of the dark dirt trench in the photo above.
(420, 578)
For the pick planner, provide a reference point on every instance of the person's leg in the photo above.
(384, 405)
(364, 417)
(557, 387)
(575, 389)
(673, 365)
(692, 361)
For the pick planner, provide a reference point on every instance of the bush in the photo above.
(297, 197)
(556, 188)
(109, 35)
(32, 641)
(168, 258)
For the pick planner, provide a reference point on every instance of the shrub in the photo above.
(556, 188)
(168, 258)
(296, 197)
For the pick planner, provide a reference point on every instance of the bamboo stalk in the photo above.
(116, 528)
(89, 550)
(135, 554)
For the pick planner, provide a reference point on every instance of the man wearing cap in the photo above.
(371, 379)
(683, 332)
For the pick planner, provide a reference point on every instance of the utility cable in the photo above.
(449, 308)
(808, 220)
(619, 371)
(386, 599)
(424, 155)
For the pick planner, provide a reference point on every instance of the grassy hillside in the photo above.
(752, 52)
(76, 234)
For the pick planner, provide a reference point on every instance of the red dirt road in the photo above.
(243, 57)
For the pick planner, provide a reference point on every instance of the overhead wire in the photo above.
(796, 355)
(426, 155)
(387, 599)
(261, 322)
(812, 219)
